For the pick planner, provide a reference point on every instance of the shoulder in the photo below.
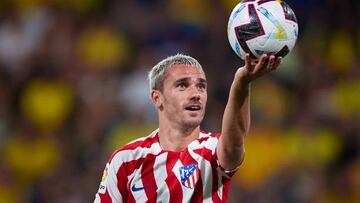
(136, 148)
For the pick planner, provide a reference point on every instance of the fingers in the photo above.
(278, 61)
(274, 62)
(262, 63)
(270, 63)
(264, 60)
(248, 64)
(270, 66)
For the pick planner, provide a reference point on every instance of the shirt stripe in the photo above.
(176, 194)
(163, 192)
(137, 183)
(147, 174)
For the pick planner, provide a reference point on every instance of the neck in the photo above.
(175, 139)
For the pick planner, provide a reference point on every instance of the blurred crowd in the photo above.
(73, 89)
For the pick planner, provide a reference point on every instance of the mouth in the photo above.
(193, 107)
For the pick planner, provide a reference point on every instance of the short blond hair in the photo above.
(156, 75)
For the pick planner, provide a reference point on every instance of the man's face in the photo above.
(184, 96)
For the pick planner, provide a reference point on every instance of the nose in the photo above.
(195, 94)
(195, 97)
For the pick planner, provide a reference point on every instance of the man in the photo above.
(178, 162)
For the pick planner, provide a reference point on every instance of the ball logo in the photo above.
(280, 32)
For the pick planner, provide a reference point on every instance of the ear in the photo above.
(156, 98)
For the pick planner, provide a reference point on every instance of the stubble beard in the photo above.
(190, 125)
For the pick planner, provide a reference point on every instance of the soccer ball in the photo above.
(262, 27)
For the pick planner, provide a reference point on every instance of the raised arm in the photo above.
(236, 119)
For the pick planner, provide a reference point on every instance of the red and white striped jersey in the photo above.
(142, 172)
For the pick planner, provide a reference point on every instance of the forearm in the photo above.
(235, 125)
(236, 120)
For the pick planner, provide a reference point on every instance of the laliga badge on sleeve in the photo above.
(102, 187)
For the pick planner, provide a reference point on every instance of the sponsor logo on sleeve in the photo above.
(102, 187)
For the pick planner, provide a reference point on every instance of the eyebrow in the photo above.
(201, 80)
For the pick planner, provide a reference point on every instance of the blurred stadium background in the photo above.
(73, 89)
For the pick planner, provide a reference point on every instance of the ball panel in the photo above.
(283, 52)
(263, 1)
(289, 13)
(237, 16)
(262, 26)
(250, 30)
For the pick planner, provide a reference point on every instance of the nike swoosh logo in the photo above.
(135, 189)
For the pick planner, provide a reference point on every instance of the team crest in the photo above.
(189, 174)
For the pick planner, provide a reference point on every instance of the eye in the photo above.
(181, 86)
(201, 87)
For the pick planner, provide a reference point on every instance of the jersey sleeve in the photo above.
(111, 183)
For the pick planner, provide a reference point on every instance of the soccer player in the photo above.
(178, 162)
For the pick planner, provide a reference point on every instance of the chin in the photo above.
(191, 125)
(193, 122)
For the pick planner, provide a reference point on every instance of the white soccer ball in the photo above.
(262, 27)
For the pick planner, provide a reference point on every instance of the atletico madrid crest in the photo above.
(189, 174)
